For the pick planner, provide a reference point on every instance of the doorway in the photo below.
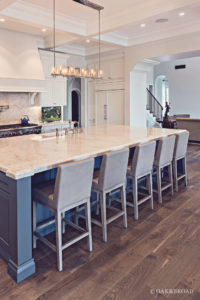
(162, 89)
(76, 105)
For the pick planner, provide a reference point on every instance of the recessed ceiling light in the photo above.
(181, 14)
(143, 25)
(43, 29)
(88, 41)
(2, 20)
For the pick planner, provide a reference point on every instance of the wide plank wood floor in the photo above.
(160, 251)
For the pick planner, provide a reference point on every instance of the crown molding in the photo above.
(73, 50)
(115, 38)
(106, 56)
(34, 14)
(151, 61)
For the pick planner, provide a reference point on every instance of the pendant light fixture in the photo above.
(71, 71)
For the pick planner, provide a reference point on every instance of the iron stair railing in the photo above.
(154, 106)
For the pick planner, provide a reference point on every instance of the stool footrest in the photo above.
(111, 219)
(96, 222)
(139, 202)
(144, 199)
(45, 241)
(181, 176)
(73, 241)
(45, 224)
(163, 188)
(75, 226)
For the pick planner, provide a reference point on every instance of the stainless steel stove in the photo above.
(18, 129)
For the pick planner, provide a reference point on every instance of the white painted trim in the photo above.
(21, 85)
(151, 61)
(115, 38)
(35, 14)
(112, 55)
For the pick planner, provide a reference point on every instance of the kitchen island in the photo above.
(24, 157)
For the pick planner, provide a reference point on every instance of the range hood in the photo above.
(20, 65)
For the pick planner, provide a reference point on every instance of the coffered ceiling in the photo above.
(123, 23)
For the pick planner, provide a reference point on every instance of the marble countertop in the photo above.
(24, 156)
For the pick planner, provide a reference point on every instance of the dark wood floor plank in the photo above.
(91, 288)
(133, 261)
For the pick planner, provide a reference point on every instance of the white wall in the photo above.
(136, 54)
(158, 87)
(139, 95)
(140, 78)
(184, 86)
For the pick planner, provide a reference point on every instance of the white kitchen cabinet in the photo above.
(52, 127)
(56, 94)
(110, 107)
(115, 108)
(46, 97)
(59, 91)
(101, 107)
(56, 87)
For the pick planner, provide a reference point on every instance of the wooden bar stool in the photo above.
(140, 168)
(71, 189)
(110, 178)
(163, 159)
(180, 151)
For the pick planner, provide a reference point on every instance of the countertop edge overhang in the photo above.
(93, 138)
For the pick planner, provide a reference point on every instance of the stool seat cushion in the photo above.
(95, 181)
(44, 193)
(129, 173)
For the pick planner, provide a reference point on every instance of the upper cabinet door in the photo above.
(56, 88)
(59, 91)
(46, 97)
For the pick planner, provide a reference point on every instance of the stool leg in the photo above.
(103, 216)
(150, 190)
(135, 197)
(59, 241)
(88, 224)
(175, 175)
(97, 205)
(185, 170)
(34, 223)
(63, 223)
(171, 178)
(109, 200)
(123, 196)
(158, 171)
(76, 215)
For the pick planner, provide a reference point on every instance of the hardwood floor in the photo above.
(160, 251)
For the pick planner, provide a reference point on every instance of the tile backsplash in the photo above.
(19, 105)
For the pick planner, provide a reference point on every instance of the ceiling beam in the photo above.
(61, 39)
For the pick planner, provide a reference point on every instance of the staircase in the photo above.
(154, 108)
